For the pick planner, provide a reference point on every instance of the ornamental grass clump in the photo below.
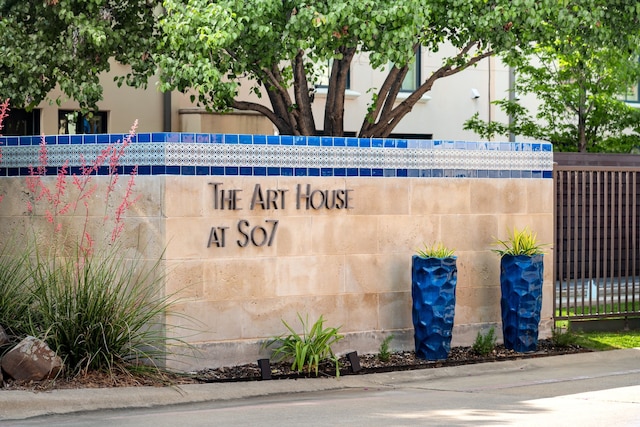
(102, 312)
(308, 349)
(520, 242)
(435, 250)
(563, 337)
(15, 290)
(384, 354)
(15, 294)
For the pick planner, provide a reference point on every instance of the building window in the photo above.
(631, 95)
(21, 122)
(72, 122)
(411, 81)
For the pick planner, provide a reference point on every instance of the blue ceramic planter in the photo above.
(433, 289)
(521, 280)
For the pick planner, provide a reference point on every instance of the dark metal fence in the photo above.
(597, 238)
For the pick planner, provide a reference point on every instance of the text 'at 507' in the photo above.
(256, 235)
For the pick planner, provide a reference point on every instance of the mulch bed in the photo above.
(369, 363)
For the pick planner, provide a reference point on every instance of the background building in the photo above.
(439, 115)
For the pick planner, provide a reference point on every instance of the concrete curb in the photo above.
(17, 404)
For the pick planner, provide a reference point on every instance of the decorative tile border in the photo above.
(272, 155)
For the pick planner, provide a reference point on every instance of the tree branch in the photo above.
(387, 122)
(281, 124)
(381, 100)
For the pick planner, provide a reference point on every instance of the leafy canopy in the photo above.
(69, 43)
(278, 47)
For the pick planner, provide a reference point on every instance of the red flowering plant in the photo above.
(98, 309)
(58, 202)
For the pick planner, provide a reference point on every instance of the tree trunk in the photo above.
(281, 123)
(582, 122)
(306, 124)
(334, 107)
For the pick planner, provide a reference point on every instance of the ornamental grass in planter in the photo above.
(433, 292)
(521, 279)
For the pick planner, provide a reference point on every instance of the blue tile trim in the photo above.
(273, 171)
(171, 153)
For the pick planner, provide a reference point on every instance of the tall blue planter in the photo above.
(521, 278)
(433, 290)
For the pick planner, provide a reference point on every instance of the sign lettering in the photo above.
(264, 234)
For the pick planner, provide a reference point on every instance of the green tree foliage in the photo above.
(68, 43)
(276, 45)
(581, 64)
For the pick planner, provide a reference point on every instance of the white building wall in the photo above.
(123, 106)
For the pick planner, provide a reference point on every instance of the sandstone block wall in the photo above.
(353, 266)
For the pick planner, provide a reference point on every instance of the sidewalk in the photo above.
(15, 404)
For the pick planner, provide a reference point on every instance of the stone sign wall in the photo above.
(259, 229)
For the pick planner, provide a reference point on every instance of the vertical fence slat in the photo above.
(558, 220)
(571, 220)
(610, 241)
(599, 236)
(616, 282)
(634, 239)
(581, 226)
(588, 224)
(626, 252)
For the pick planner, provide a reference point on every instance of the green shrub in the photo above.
(383, 352)
(484, 343)
(309, 348)
(101, 312)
